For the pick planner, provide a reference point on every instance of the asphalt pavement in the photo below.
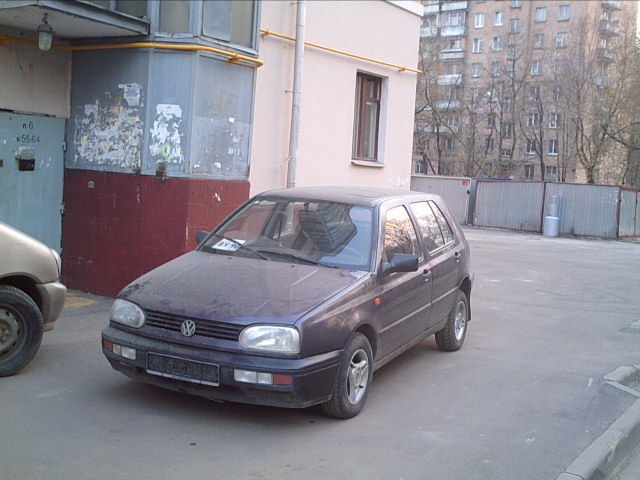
(520, 401)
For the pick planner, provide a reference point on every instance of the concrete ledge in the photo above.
(600, 459)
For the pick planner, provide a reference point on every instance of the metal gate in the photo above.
(31, 175)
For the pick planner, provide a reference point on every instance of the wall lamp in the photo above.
(45, 35)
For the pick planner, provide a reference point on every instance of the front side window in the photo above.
(314, 232)
(554, 120)
(499, 18)
(538, 40)
(529, 172)
(532, 120)
(366, 117)
(228, 21)
(490, 145)
(553, 147)
(516, 3)
(562, 39)
(496, 44)
(495, 69)
(536, 68)
(428, 224)
(479, 20)
(175, 17)
(475, 70)
(514, 25)
(399, 234)
(531, 146)
(551, 173)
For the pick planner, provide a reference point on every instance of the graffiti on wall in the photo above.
(221, 146)
(165, 144)
(109, 133)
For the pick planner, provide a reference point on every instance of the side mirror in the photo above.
(400, 262)
(201, 235)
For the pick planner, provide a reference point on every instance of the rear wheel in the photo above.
(451, 337)
(351, 388)
(20, 329)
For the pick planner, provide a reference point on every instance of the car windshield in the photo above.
(298, 231)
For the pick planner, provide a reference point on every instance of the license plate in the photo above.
(183, 369)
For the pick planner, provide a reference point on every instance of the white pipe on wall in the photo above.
(301, 11)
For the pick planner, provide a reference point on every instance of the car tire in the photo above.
(452, 336)
(20, 329)
(351, 388)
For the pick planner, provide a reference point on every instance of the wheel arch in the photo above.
(465, 286)
(368, 331)
(26, 284)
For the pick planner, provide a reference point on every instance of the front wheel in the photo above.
(351, 387)
(20, 329)
(451, 337)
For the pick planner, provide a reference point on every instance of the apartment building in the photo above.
(491, 104)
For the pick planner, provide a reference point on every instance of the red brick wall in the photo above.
(118, 226)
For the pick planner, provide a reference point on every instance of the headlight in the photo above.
(271, 338)
(127, 313)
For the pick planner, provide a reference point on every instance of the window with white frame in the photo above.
(553, 147)
(533, 119)
(478, 45)
(496, 43)
(507, 130)
(564, 12)
(536, 68)
(512, 51)
(562, 39)
(529, 172)
(495, 69)
(366, 117)
(493, 95)
(534, 92)
(531, 146)
(453, 18)
(498, 19)
(453, 45)
(541, 14)
(516, 3)
(506, 152)
(514, 25)
(551, 173)
(449, 144)
(489, 145)
(491, 120)
(479, 20)
(475, 70)
(559, 66)
(538, 40)
(554, 120)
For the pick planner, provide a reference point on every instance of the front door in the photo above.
(406, 297)
(31, 175)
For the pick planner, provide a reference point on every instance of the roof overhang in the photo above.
(71, 18)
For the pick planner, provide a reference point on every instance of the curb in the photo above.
(600, 459)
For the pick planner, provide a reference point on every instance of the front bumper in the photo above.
(313, 377)
(53, 295)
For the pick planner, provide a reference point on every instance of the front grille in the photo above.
(206, 328)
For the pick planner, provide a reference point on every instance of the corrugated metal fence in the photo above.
(591, 210)
(456, 192)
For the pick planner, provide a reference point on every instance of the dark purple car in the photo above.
(297, 297)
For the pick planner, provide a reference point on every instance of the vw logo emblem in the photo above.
(188, 328)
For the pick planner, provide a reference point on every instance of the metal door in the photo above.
(31, 175)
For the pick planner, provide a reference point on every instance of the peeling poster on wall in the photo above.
(166, 135)
(109, 133)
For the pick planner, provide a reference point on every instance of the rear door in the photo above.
(405, 300)
(443, 262)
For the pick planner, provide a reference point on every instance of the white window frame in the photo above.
(498, 19)
(562, 39)
(516, 3)
(476, 70)
(478, 45)
(541, 14)
(495, 69)
(554, 150)
(532, 119)
(478, 20)
(496, 43)
(551, 172)
(554, 120)
(529, 172)
(561, 17)
(531, 147)
(515, 25)
(536, 68)
(537, 44)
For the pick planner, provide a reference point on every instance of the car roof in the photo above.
(355, 195)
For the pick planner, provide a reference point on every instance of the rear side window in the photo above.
(399, 234)
(428, 224)
(444, 225)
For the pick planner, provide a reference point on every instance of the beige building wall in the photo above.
(377, 29)
(32, 81)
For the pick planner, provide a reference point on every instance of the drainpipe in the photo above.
(301, 10)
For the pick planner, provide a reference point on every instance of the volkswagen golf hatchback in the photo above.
(297, 298)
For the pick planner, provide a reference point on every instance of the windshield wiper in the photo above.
(240, 244)
(292, 255)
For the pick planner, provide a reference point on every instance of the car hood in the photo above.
(236, 289)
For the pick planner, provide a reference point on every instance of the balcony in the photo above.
(456, 31)
(450, 79)
(608, 28)
(432, 8)
(448, 104)
(451, 54)
(611, 4)
(428, 32)
(454, 6)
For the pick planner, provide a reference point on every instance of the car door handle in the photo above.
(426, 274)
(457, 256)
